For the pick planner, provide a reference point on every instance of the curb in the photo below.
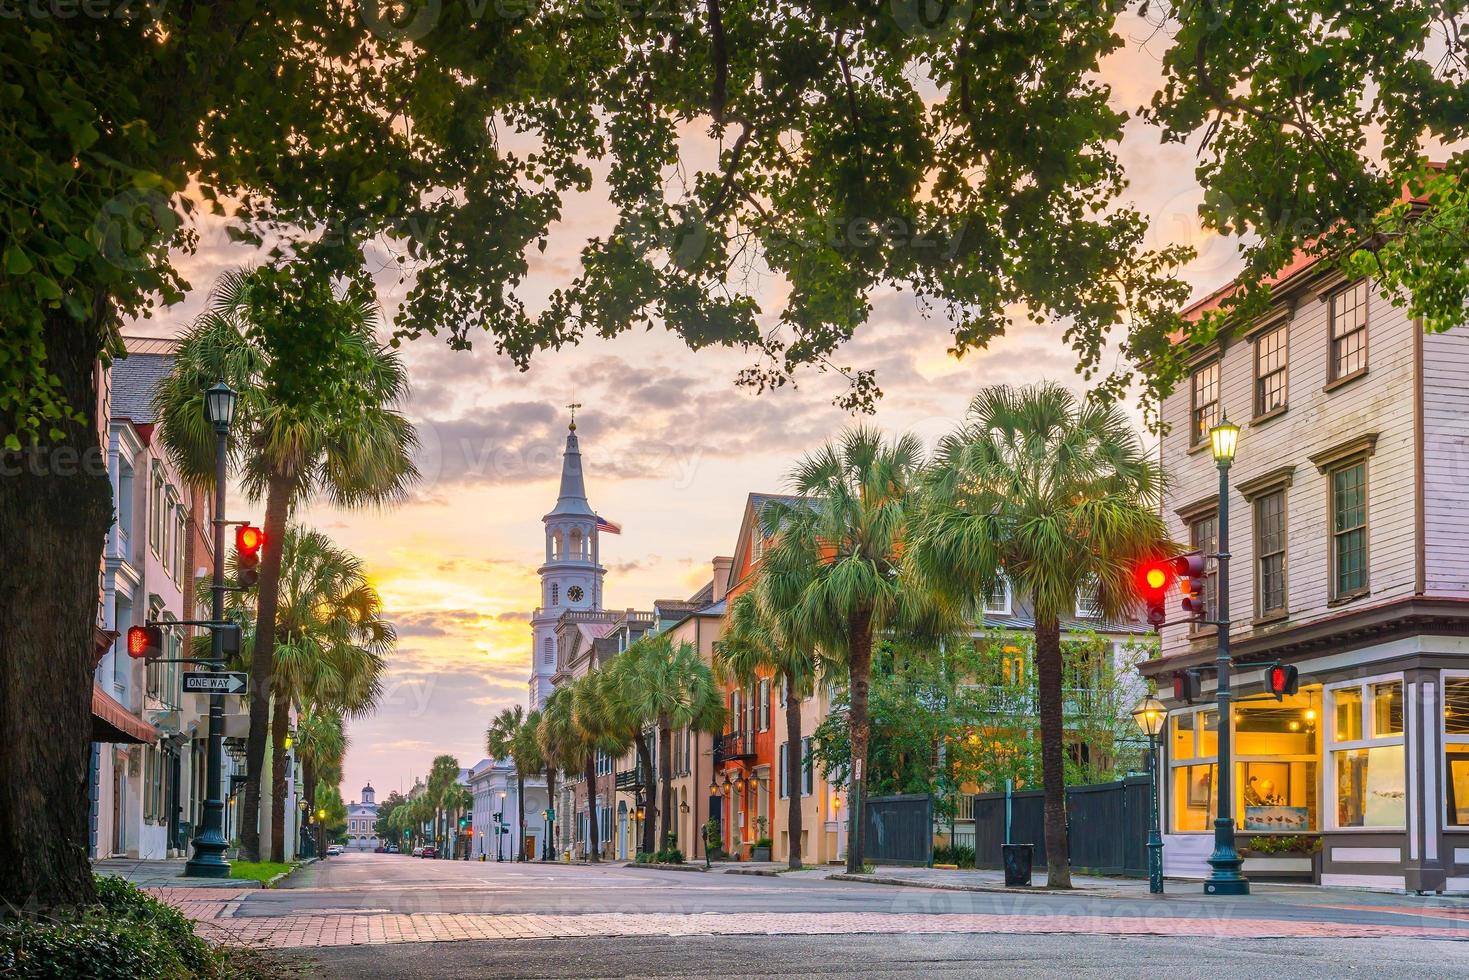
(955, 887)
(666, 867)
(275, 880)
(759, 872)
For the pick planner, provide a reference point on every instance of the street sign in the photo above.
(216, 682)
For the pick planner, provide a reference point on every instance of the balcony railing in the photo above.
(1004, 699)
(631, 779)
(734, 747)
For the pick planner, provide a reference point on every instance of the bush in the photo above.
(670, 855)
(960, 855)
(125, 935)
(1286, 844)
(643, 857)
(762, 842)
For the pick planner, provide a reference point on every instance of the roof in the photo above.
(135, 379)
(1300, 263)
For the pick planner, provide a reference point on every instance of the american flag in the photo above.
(603, 524)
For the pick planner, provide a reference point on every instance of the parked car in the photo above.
(418, 852)
(334, 849)
(392, 849)
(379, 850)
(430, 852)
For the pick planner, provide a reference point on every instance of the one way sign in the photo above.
(216, 682)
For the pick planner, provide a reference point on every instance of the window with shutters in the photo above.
(1204, 389)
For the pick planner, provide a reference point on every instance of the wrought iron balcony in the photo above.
(631, 779)
(734, 747)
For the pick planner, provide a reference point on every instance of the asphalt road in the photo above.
(355, 886)
(895, 956)
(395, 883)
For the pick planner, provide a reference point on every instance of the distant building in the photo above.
(493, 783)
(362, 822)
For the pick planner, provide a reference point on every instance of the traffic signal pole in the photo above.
(1225, 878)
(209, 844)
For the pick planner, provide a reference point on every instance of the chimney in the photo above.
(723, 566)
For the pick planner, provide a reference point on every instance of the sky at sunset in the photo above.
(671, 448)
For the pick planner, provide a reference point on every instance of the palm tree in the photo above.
(441, 794)
(321, 744)
(513, 735)
(755, 642)
(596, 715)
(626, 715)
(1059, 497)
(833, 571)
(561, 745)
(673, 688)
(331, 646)
(307, 422)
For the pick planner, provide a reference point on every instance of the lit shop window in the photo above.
(1456, 749)
(1368, 770)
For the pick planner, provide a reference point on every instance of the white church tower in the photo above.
(571, 577)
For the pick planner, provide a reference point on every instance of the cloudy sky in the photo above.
(671, 449)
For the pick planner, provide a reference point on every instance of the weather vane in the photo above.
(574, 406)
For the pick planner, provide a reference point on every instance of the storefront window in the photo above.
(1209, 733)
(1348, 705)
(1368, 765)
(1387, 708)
(1370, 787)
(1456, 749)
(1277, 745)
(1277, 751)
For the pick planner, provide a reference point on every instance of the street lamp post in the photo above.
(1150, 715)
(499, 825)
(1225, 878)
(209, 844)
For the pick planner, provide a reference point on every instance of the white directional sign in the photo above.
(216, 682)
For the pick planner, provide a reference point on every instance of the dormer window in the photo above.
(997, 600)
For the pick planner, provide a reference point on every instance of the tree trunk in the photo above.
(1053, 763)
(548, 848)
(277, 508)
(520, 816)
(308, 789)
(55, 509)
(794, 772)
(859, 632)
(594, 850)
(665, 782)
(645, 759)
(280, 726)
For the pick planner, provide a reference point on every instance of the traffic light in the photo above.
(1153, 579)
(1190, 570)
(1187, 686)
(145, 642)
(1281, 679)
(249, 539)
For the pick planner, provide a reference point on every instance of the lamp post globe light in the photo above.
(1225, 878)
(208, 860)
(1151, 715)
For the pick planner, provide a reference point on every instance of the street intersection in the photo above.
(365, 915)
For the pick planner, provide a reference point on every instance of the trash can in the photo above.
(1017, 864)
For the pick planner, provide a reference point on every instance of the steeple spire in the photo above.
(573, 496)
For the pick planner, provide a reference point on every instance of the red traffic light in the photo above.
(1281, 679)
(249, 541)
(145, 642)
(1153, 580)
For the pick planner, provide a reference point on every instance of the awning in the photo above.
(111, 722)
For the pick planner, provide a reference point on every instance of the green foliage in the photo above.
(764, 842)
(1285, 844)
(126, 935)
(257, 870)
(669, 855)
(713, 843)
(959, 855)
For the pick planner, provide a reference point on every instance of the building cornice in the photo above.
(1340, 632)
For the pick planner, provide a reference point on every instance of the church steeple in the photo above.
(571, 575)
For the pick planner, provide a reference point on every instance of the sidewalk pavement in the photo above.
(164, 874)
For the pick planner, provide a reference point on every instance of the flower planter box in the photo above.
(759, 854)
(1283, 866)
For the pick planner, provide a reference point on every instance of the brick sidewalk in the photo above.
(214, 910)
